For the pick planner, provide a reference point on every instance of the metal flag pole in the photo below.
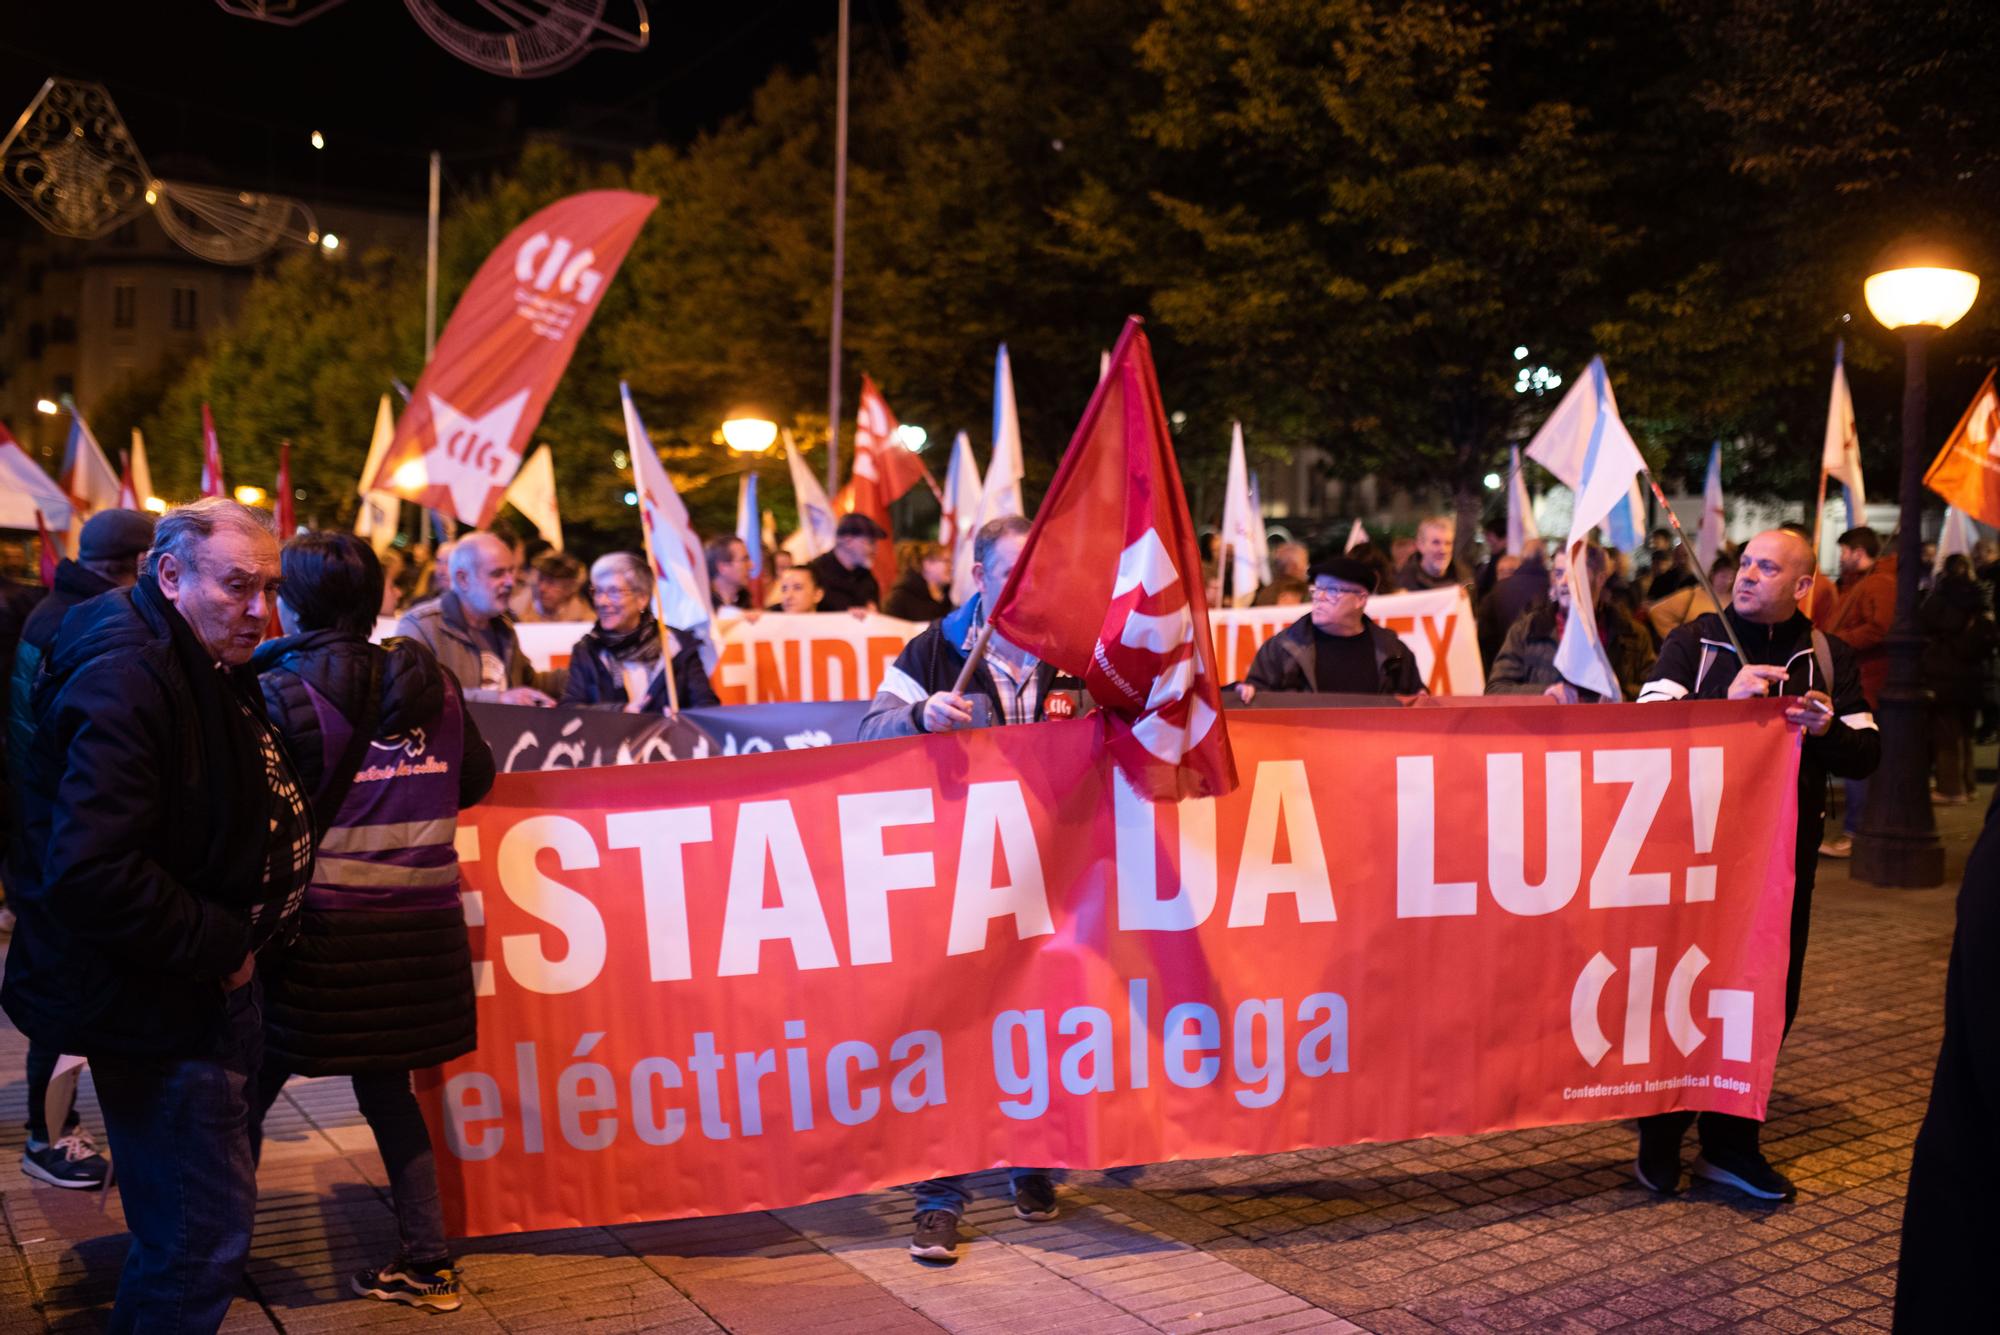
(1721, 612)
(431, 268)
(839, 260)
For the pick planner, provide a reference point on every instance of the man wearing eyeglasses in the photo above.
(1335, 649)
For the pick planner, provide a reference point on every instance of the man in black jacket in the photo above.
(1335, 649)
(107, 558)
(166, 838)
(1787, 657)
(846, 574)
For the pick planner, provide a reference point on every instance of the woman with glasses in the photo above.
(618, 663)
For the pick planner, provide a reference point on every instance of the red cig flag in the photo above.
(460, 441)
(281, 503)
(1109, 587)
(883, 470)
(211, 456)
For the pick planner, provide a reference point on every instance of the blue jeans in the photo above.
(950, 1193)
(1856, 804)
(180, 1135)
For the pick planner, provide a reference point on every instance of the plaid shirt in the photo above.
(1020, 693)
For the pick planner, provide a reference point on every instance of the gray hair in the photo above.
(464, 558)
(990, 533)
(627, 565)
(185, 528)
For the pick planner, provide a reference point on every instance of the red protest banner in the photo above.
(780, 978)
(460, 441)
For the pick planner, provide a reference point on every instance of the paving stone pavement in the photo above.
(1525, 1230)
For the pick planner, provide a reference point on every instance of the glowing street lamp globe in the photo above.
(1919, 283)
(749, 435)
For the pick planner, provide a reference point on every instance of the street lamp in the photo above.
(1919, 289)
(749, 435)
(47, 407)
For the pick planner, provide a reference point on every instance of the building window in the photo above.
(38, 338)
(62, 329)
(65, 386)
(184, 308)
(124, 306)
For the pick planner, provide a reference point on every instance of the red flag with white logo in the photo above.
(1109, 587)
(462, 437)
(281, 500)
(883, 470)
(46, 546)
(211, 456)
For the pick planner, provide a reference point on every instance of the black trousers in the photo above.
(1726, 1131)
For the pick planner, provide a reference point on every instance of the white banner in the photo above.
(837, 656)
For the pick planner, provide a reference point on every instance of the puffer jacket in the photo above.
(73, 585)
(146, 815)
(380, 975)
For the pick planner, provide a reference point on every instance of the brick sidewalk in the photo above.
(1521, 1230)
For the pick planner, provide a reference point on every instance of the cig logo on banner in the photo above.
(555, 281)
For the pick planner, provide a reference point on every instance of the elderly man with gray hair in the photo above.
(166, 840)
(467, 626)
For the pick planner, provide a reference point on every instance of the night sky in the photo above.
(229, 101)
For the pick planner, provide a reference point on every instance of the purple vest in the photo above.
(392, 844)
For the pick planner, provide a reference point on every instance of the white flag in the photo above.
(1242, 527)
(1520, 506)
(86, 474)
(533, 493)
(142, 474)
(1356, 537)
(1001, 494)
(680, 570)
(1956, 536)
(1841, 457)
(1708, 540)
(960, 522)
(816, 518)
(381, 512)
(1585, 444)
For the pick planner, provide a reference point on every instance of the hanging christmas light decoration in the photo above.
(230, 226)
(518, 39)
(71, 163)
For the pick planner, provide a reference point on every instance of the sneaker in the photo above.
(1943, 800)
(935, 1237)
(1035, 1198)
(433, 1285)
(1842, 847)
(72, 1162)
(1658, 1166)
(1748, 1171)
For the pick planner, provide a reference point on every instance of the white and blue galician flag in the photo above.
(749, 525)
(1520, 506)
(1585, 444)
(87, 476)
(958, 517)
(814, 536)
(1708, 540)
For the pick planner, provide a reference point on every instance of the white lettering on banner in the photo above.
(1000, 872)
(836, 656)
(1613, 882)
(1734, 1007)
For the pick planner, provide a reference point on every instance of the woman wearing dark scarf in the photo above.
(618, 661)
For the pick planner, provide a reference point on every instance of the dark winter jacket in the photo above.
(380, 975)
(931, 663)
(1288, 661)
(147, 817)
(1413, 578)
(1958, 639)
(1526, 663)
(73, 585)
(1698, 663)
(594, 678)
(911, 598)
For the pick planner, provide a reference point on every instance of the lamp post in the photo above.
(1919, 289)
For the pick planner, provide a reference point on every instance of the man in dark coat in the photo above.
(846, 574)
(107, 558)
(1335, 649)
(1788, 657)
(1526, 662)
(166, 839)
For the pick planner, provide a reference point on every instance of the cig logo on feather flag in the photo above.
(510, 338)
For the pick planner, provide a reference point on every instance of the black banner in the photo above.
(525, 738)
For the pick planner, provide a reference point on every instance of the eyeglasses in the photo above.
(1331, 592)
(616, 594)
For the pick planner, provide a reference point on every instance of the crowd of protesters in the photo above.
(221, 884)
